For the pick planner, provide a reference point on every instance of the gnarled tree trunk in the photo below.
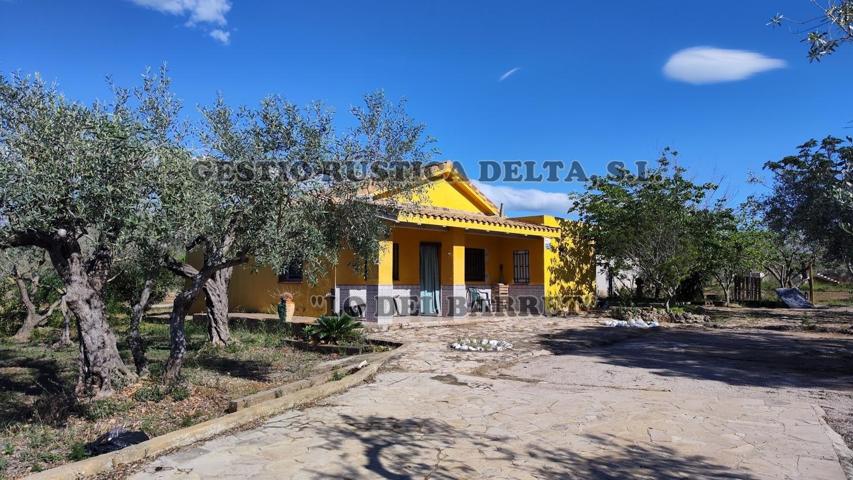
(33, 318)
(135, 340)
(101, 366)
(215, 260)
(216, 293)
(177, 337)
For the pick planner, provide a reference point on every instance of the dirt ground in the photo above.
(820, 319)
(573, 399)
(43, 424)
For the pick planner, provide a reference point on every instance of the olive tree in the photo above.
(648, 225)
(140, 281)
(74, 179)
(825, 33)
(28, 268)
(279, 184)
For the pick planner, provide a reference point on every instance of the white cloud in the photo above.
(703, 65)
(526, 199)
(197, 12)
(509, 73)
(221, 36)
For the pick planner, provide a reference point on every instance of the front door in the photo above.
(430, 279)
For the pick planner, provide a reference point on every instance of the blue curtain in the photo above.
(430, 281)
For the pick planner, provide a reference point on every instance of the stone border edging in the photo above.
(467, 320)
(156, 446)
(322, 376)
(343, 349)
(842, 451)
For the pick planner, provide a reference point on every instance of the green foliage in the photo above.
(333, 329)
(730, 246)
(98, 409)
(189, 420)
(77, 452)
(807, 197)
(150, 393)
(648, 225)
(179, 393)
(827, 32)
(81, 181)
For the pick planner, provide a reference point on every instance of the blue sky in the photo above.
(587, 83)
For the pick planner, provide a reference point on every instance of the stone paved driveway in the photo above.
(572, 400)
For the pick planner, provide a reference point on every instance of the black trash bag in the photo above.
(115, 439)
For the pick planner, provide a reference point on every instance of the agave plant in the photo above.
(333, 328)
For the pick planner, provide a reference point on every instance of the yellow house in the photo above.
(452, 254)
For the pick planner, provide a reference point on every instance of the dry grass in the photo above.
(43, 425)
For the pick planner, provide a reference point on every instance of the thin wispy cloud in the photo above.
(526, 199)
(509, 73)
(704, 65)
(205, 14)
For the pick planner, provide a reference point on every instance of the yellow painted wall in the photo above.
(570, 275)
(445, 193)
(566, 269)
(498, 252)
(256, 289)
(535, 248)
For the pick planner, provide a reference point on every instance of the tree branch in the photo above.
(178, 268)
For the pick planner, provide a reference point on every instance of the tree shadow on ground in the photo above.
(751, 358)
(631, 461)
(404, 449)
(256, 370)
(33, 387)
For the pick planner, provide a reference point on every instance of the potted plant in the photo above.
(286, 307)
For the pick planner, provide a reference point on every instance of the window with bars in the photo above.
(291, 273)
(395, 262)
(520, 266)
(475, 265)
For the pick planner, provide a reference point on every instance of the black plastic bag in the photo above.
(115, 439)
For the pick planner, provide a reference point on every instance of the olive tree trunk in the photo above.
(216, 293)
(215, 260)
(34, 318)
(177, 336)
(135, 340)
(101, 366)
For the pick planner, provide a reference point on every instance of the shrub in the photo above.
(333, 329)
(190, 420)
(98, 409)
(180, 393)
(149, 394)
(77, 452)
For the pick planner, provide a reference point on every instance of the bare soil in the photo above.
(42, 423)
